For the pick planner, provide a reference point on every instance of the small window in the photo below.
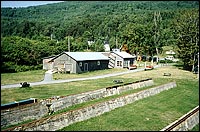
(98, 63)
(119, 63)
(80, 64)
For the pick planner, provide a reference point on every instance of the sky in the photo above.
(16, 3)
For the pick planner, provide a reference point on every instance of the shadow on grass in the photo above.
(179, 66)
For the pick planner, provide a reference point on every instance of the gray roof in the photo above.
(81, 56)
(124, 54)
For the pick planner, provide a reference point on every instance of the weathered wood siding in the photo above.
(69, 64)
(66, 62)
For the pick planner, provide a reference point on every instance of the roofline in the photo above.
(124, 57)
(49, 57)
(72, 57)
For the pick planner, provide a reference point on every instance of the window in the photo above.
(98, 63)
(119, 63)
(80, 64)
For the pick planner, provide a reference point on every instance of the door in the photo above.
(86, 67)
(68, 68)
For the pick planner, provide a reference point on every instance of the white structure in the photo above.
(106, 47)
(90, 43)
(121, 60)
(170, 52)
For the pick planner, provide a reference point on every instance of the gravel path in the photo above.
(75, 79)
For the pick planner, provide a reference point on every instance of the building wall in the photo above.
(66, 63)
(93, 65)
(119, 61)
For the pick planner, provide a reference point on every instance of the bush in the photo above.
(10, 67)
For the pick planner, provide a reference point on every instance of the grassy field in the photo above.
(29, 76)
(38, 75)
(152, 113)
(63, 89)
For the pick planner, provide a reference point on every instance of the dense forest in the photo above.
(31, 33)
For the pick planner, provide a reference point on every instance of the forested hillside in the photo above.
(29, 34)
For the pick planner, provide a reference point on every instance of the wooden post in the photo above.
(68, 44)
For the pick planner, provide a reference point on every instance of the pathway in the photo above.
(75, 79)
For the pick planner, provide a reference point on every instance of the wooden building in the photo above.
(76, 62)
(121, 60)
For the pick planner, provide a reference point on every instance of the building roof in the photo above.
(124, 55)
(82, 56)
(170, 52)
(49, 57)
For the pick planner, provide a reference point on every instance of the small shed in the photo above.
(121, 60)
(78, 62)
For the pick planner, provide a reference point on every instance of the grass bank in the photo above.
(149, 114)
(152, 113)
(64, 89)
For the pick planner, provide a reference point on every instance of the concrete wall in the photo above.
(187, 124)
(59, 121)
(36, 111)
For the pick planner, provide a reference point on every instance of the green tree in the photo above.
(187, 29)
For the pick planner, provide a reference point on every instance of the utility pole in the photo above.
(116, 42)
(198, 66)
(157, 22)
(68, 44)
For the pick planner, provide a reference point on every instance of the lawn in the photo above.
(38, 75)
(28, 76)
(63, 89)
(149, 114)
(152, 113)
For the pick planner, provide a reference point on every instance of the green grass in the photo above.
(38, 75)
(28, 76)
(64, 89)
(149, 114)
(196, 128)
(161, 110)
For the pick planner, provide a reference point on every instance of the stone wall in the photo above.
(187, 124)
(37, 110)
(61, 103)
(59, 121)
(23, 113)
